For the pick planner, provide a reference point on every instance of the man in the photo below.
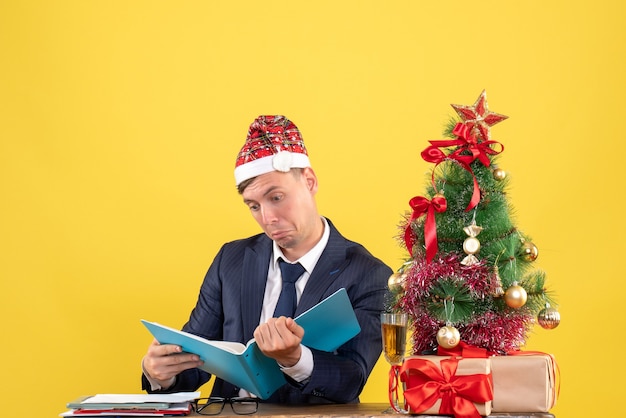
(242, 288)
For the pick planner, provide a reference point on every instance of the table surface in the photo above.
(362, 410)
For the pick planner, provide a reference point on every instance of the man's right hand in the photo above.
(163, 362)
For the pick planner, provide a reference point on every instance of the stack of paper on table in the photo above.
(144, 405)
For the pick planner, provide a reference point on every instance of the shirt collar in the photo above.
(308, 260)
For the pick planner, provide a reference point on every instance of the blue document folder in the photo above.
(327, 326)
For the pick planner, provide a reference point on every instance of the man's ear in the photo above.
(311, 179)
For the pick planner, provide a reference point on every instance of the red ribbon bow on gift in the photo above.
(464, 350)
(466, 141)
(421, 206)
(426, 383)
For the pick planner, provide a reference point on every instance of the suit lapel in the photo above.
(328, 268)
(254, 278)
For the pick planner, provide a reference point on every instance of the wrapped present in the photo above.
(456, 386)
(523, 382)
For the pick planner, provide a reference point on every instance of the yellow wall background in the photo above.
(120, 122)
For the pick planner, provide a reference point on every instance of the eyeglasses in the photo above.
(215, 406)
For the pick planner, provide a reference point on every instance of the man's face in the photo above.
(283, 204)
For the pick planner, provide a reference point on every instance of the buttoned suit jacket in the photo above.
(231, 299)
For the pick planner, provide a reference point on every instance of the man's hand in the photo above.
(164, 361)
(279, 338)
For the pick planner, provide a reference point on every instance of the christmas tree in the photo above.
(469, 275)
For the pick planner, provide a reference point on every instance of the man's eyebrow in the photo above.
(268, 191)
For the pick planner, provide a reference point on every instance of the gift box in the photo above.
(445, 385)
(523, 382)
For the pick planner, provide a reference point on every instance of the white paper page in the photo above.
(143, 398)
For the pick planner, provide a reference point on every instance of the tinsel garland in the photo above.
(496, 328)
(422, 275)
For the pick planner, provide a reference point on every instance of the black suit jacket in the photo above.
(231, 298)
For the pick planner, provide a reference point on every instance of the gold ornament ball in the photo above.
(396, 281)
(529, 251)
(515, 296)
(549, 318)
(448, 337)
(499, 174)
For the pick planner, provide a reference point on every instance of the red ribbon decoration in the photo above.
(466, 141)
(421, 206)
(479, 150)
(464, 349)
(433, 154)
(393, 386)
(426, 383)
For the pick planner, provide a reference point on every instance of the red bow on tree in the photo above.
(469, 142)
(466, 142)
(421, 206)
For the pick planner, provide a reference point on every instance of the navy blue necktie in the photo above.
(287, 301)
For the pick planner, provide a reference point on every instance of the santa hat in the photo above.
(273, 143)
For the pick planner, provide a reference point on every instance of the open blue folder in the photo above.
(327, 326)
